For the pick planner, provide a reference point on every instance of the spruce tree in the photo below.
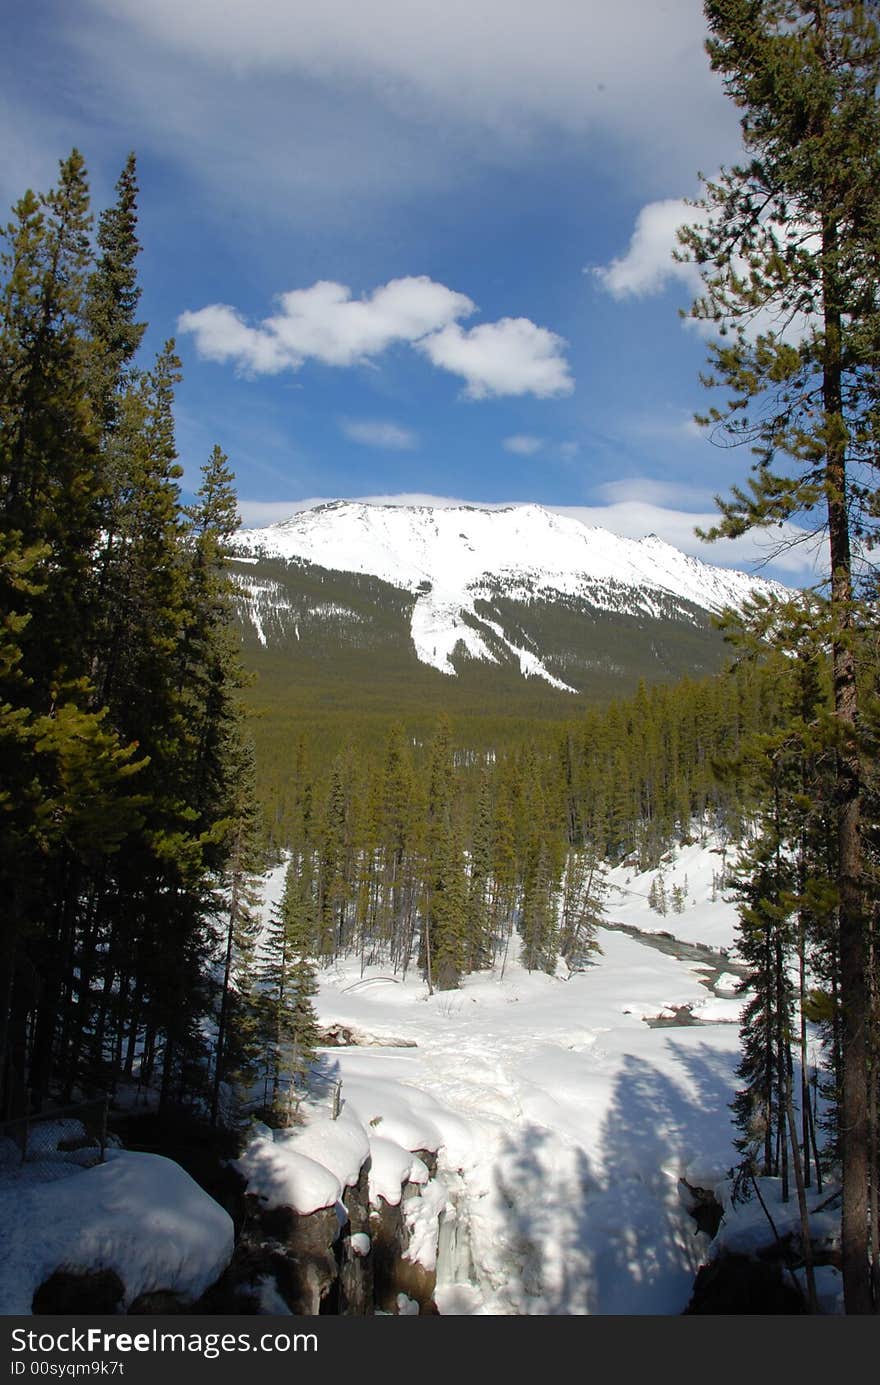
(120, 726)
(396, 845)
(286, 978)
(335, 861)
(235, 1048)
(443, 946)
(504, 869)
(111, 302)
(765, 941)
(582, 908)
(446, 906)
(478, 929)
(540, 910)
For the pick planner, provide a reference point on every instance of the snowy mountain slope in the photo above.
(267, 605)
(459, 562)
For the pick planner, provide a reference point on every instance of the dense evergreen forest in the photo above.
(135, 817)
(437, 844)
(125, 773)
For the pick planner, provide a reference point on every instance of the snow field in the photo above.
(562, 1124)
(704, 919)
(561, 1121)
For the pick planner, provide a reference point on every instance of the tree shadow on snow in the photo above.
(614, 1237)
(655, 1128)
(540, 1187)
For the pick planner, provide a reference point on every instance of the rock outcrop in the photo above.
(350, 1259)
(738, 1284)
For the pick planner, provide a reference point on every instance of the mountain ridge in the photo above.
(463, 563)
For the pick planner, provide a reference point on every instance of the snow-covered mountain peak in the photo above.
(449, 557)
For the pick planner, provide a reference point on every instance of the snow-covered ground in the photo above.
(562, 1120)
(139, 1215)
(563, 1124)
(706, 917)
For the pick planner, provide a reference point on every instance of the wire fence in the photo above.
(49, 1144)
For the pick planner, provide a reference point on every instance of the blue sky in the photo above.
(407, 248)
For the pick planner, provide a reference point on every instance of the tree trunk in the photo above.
(852, 941)
(224, 1004)
(806, 1242)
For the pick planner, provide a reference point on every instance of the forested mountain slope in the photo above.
(495, 616)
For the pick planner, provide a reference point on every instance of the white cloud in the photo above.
(379, 433)
(325, 323)
(654, 490)
(256, 514)
(792, 552)
(648, 265)
(221, 334)
(523, 444)
(509, 68)
(511, 356)
(639, 505)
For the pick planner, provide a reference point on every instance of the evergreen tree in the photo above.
(111, 302)
(765, 941)
(397, 844)
(478, 929)
(582, 907)
(336, 860)
(286, 1019)
(657, 895)
(445, 889)
(235, 1049)
(448, 905)
(540, 911)
(789, 240)
(66, 799)
(504, 868)
(118, 672)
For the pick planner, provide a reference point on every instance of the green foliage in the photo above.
(338, 666)
(437, 852)
(285, 1018)
(121, 796)
(788, 246)
(657, 895)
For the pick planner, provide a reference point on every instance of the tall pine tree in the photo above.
(789, 245)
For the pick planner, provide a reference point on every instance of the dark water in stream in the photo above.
(713, 964)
